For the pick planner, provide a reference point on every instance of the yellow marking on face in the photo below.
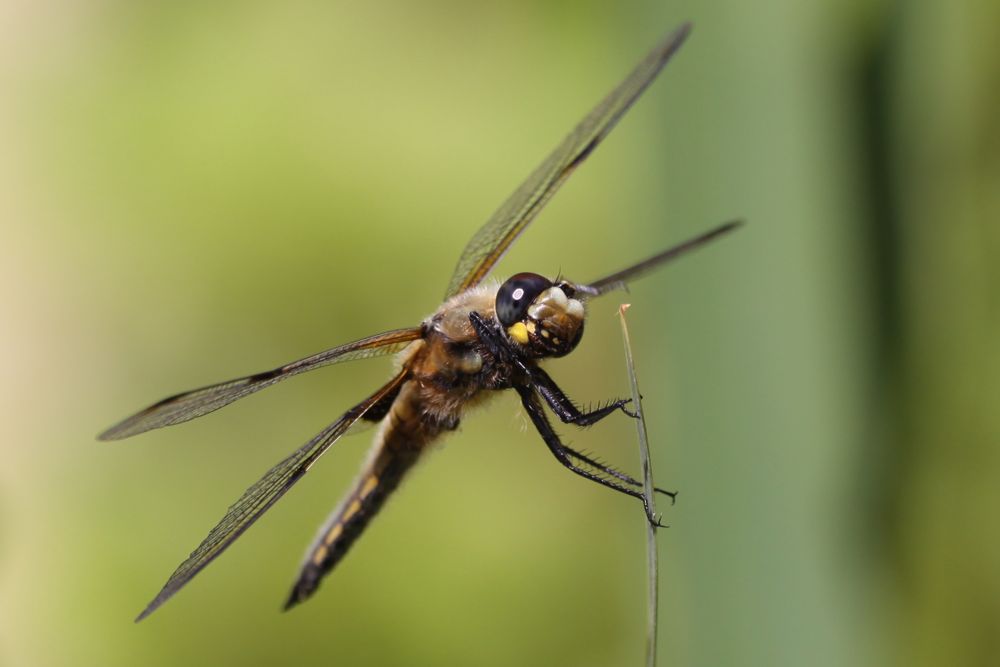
(351, 510)
(545, 333)
(519, 332)
(320, 555)
(369, 485)
(532, 326)
(333, 534)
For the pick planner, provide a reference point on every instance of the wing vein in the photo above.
(261, 495)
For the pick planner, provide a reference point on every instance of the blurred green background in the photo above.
(194, 191)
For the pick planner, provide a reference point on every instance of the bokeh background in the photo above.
(195, 191)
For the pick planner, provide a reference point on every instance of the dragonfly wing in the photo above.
(489, 244)
(619, 279)
(198, 402)
(259, 497)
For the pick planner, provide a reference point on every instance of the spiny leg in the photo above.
(495, 341)
(561, 405)
(614, 472)
(565, 455)
(566, 410)
(558, 401)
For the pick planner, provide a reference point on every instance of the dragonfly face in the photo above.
(483, 339)
(543, 318)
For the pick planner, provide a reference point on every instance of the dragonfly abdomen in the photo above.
(397, 446)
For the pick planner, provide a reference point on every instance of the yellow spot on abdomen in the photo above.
(333, 534)
(351, 510)
(320, 555)
(369, 485)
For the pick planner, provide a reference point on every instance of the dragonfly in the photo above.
(485, 338)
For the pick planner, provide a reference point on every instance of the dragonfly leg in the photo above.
(494, 340)
(614, 472)
(565, 409)
(558, 401)
(566, 456)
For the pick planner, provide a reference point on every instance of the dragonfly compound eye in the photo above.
(517, 294)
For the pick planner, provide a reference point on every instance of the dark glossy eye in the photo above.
(516, 295)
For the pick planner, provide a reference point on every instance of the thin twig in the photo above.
(647, 483)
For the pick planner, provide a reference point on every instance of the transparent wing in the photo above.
(259, 497)
(619, 279)
(198, 402)
(493, 238)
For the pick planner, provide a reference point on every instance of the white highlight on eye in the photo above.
(518, 294)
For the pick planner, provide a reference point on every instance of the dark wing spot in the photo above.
(582, 155)
(265, 376)
(380, 408)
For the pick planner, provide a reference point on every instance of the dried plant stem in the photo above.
(647, 479)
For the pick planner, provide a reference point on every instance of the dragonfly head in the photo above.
(542, 317)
